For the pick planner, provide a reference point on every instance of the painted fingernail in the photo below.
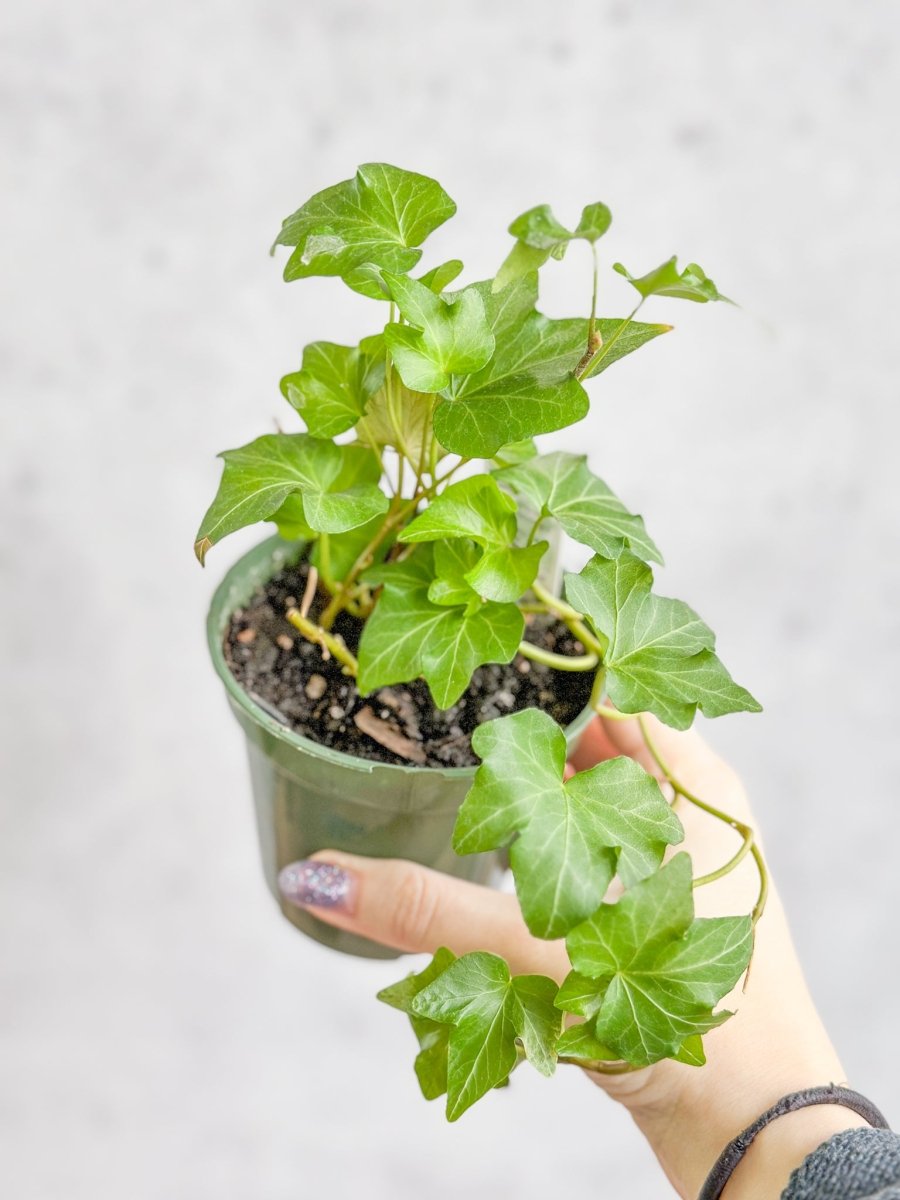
(316, 885)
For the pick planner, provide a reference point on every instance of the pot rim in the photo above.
(278, 552)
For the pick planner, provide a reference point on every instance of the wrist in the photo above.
(688, 1124)
(781, 1147)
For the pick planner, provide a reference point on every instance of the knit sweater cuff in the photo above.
(857, 1164)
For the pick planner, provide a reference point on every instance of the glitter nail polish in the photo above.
(316, 884)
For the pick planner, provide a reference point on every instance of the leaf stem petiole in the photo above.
(749, 843)
(559, 662)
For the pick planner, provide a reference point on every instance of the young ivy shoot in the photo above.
(421, 494)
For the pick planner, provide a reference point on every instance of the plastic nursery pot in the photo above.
(309, 797)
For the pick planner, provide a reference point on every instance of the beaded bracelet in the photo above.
(738, 1147)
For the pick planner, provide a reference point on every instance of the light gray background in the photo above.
(164, 1033)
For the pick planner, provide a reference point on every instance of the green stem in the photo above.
(321, 637)
(592, 324)
(325, 561)
(559, 662)
(534, 528)
(570, 617)
(749, 844)
(593, 356)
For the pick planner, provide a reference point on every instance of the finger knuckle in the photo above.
(415, 908)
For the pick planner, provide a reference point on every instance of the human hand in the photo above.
(776, 1044)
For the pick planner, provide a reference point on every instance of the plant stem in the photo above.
(570, 617)
(592, 357)
(749, 845)
(534, 528)
(325, 561)
(330, 643)
(559, 662)
(592, 324)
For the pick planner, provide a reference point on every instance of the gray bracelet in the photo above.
(736, 1149)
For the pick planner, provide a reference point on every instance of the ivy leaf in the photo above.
(409, 436)
(433, 1036)
(595, 221)
(336, 486)
(440, 278)
(515, 453)
(381, 217)
(657, 971)
(659, 654)
(621, 337)
(445, 335)
(521, 261)
(579, 1042)
(571, 837)
(539, 235)
(332, 387)
(528, 387)
(491, 1012)
(560, 485)
(453, 560)
(476, 508)
(691, 284)
(407, 635)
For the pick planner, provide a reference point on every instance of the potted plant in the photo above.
(403, 625)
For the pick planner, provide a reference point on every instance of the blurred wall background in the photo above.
(162, 1031)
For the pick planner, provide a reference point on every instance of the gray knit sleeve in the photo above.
(858, 1164)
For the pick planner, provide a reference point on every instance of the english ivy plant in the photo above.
(424, 521)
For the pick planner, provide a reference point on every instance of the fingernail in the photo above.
(316, 885)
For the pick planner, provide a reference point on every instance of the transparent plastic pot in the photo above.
(309, 797)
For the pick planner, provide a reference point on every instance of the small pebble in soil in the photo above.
(285, 641)
(316, 687)
(246, 636)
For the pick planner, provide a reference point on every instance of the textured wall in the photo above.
(162, 1033)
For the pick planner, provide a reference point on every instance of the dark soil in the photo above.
(287, 676)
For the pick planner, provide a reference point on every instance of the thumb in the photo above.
(414, 909)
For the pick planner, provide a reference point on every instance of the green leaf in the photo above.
(539, 235)
(621, 336)
(691, 284)
(413, 422)
(571, 837)
(659, 654)
(332, 387)
(560, 485)
(657, 971)
(515, 453)
(595, 220)
(453, 560)
(528, 387)
(408, 635)
(521, 261)
(476, 508)
(539, 228)
(444, 336)
(380, 217)
(579, 1042)
(490, 1012)
(433, 1036)
(335, 483)
(440, 278)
